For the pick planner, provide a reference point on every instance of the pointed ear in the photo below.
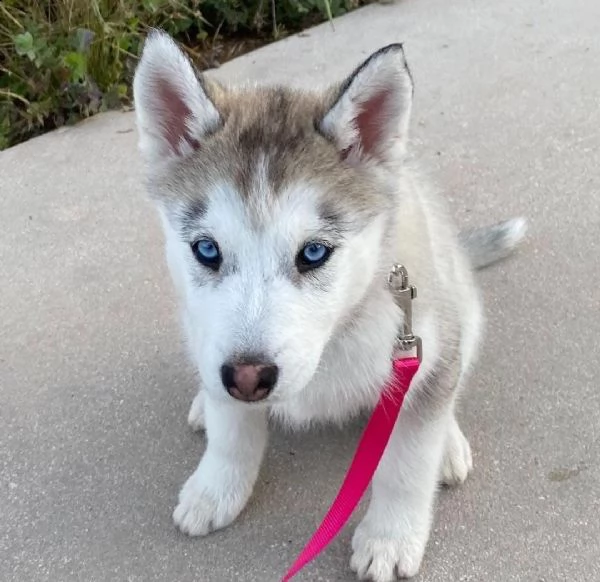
(370, 113)
(173, 111)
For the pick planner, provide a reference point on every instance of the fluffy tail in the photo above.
(489, 244)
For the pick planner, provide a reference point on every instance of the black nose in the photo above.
(249, 381)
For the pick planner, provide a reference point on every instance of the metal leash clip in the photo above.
(404, 293)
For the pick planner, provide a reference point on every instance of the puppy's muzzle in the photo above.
(249, 382)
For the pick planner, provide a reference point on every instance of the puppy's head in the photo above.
(276, 204)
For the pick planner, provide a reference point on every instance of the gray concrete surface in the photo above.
(94, 387)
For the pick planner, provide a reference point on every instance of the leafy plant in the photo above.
(63, 60)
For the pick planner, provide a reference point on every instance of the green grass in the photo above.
(63, 60)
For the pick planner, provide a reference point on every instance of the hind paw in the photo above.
(458, 461)
(196, 414)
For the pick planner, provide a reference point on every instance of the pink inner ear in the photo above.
(371, 122)
(174, 114)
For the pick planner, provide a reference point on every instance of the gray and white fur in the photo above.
(283, 212)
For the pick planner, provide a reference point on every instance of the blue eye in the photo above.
(314, 252)
(207, 253)
(312, 255)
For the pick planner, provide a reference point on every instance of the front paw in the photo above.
(203, 508)
(386, 556)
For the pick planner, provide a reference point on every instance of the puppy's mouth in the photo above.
(260, 395)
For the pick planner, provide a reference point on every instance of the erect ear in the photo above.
(370, 114)
(173, 111)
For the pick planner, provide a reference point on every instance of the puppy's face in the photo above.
(275, 206)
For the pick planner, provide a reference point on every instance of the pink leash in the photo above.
(368, 454)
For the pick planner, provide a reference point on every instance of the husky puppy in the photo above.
(283, 213)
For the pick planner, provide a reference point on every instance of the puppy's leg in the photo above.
(220, 487)
(196, 414)
(390, 541)
(458, 462)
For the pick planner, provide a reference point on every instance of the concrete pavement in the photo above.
(95, 388)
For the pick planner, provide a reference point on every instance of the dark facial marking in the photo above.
(189, 217)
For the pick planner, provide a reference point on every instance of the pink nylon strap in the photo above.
(366, 458)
